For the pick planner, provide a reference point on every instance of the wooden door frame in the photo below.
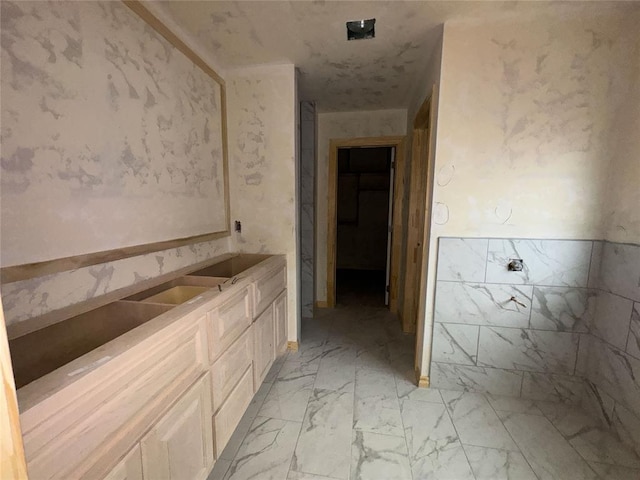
(332, 212)
(422, 141)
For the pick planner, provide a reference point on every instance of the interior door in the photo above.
(389, 228)
(417, 215)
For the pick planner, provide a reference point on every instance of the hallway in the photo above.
(345, 407)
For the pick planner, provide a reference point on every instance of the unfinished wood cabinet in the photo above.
(227, 371)
(159, 400)
(129, 468)
(263, 340)
(180, 445)
(280, 323)
(231, 411)
(228, 320)
(268, 287)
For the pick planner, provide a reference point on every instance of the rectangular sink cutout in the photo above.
(176, 295)
(43, 351)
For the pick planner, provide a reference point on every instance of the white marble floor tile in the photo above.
(407, 389)
(548, 453)
(615, 472)
(379, 457)
(324, 446)
(475, 421)
(337, 369)
(290, 393)
(377, 414)
(501, 403)
(428, 428)
(493, 464)
(602, 446)
(449, 464)
(568, 419)
(266, 451)
(306, 476)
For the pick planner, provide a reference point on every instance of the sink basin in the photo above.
(176, 295)
(231, 267)
(206, 282)
(43, 351)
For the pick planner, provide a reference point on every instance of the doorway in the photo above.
(366, 228)
(364, 213)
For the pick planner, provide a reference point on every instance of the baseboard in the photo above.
(423, 380)
(322, 304)
(292, 346)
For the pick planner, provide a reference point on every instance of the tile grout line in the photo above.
(404, 430)
(509, 433)
(455, 429)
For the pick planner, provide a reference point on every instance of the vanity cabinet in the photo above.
(162, 400)
(280, 322)
(264, 353)
(180, 445)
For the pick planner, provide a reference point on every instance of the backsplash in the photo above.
(512, 332)
(37, 296)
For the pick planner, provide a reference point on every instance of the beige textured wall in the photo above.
(262, 132)
(344, 125)
(622, 210)
(111, 137)
(100, 101)
(526, 116)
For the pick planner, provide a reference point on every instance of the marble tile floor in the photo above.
(344, 407)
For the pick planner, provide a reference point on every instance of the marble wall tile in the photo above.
(454, 343)
(492, 464)
(620, 270)
(475, 421)
(530, 350)
(633, 342)
(564, 309)
(612, 319)
(548, 453)
(617, 373)
(462, 259)
(546, 262)
(475, 379)
(552, 387)
(324, 445)
(482, 304)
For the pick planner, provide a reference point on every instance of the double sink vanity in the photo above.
(152, 385)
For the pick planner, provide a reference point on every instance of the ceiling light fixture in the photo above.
(361, 29)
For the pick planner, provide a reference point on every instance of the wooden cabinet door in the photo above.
(280, 320)
(263, 337)
(129, 468)
(180, 445)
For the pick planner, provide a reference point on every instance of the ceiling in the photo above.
(337, 74)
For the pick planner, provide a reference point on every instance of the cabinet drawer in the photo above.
(263, 341)
(268, 287)
(226, 322)
(232, 410)
(229, 368)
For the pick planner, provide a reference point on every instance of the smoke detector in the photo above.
(361, 29)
